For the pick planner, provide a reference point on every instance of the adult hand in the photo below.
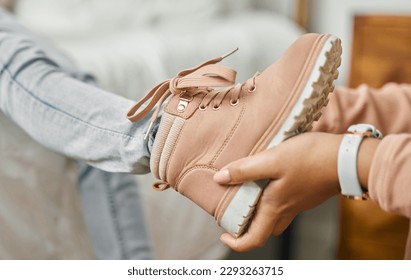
(303, 174)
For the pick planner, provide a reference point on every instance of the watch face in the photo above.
(364, 128)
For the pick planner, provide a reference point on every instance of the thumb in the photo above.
(261, 228)
(258, 166)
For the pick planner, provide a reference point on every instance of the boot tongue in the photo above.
(207, 74)
(203, 76)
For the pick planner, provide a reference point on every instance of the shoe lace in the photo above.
(214, 81)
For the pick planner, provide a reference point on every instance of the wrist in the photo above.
(333, 180)
(328, 155)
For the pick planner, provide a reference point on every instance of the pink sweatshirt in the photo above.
(389, 110)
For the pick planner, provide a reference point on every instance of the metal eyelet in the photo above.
(215, 108)
(202, 108)
(161, 185)
(235, 102)
(254, 86)
(184, 100)
(252, 89)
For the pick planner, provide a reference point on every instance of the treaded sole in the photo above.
(314, 97)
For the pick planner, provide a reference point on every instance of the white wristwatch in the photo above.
(347, 159)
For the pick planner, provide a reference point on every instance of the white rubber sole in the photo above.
(314, 96)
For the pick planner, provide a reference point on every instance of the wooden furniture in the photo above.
(381, 53)
(381, 50)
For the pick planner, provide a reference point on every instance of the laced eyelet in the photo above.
(235, 102)
(254, 86)
(215, 108)
(252, 89)
(202, 108)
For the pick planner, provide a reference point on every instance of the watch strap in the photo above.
(347, 166)
(348, 158)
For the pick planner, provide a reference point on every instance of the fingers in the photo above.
(253, 239)
(282, 225)
(257, 234)
(259, 166)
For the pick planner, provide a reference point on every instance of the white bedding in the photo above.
(132, 45)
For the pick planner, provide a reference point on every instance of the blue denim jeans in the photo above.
(64, 110)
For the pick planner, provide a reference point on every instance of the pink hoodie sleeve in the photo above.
(390, 174)
(389, 109)
(390, 178)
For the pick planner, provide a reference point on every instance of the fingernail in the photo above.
(222, 176)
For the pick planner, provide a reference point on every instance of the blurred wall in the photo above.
(335, 16)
